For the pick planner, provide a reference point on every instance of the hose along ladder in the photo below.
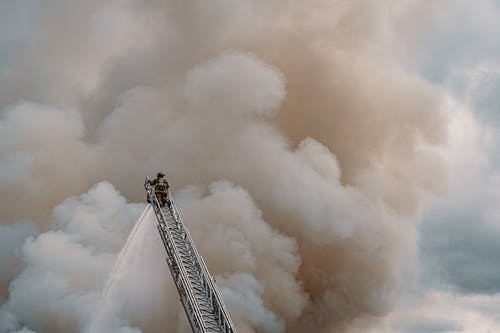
(198, 293)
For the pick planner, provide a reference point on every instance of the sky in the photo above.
(337, 162)
(458, 235)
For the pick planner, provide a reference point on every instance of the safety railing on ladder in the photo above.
(198, 292)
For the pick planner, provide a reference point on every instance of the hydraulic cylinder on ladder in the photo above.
(198, 293)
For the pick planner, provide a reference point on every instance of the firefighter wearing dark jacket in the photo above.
(161, 189)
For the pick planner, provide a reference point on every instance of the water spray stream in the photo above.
(107, 310)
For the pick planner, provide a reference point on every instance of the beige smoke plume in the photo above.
(299, 145)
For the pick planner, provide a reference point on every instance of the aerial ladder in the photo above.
(198, 293)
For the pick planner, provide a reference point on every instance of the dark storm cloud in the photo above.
(459, 237)
(433, 326)
(12, 237)
(460, 251)
(460, 247)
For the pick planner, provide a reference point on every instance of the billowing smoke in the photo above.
(299, 146)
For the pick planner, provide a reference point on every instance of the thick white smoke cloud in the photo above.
(65, 268)
(11, 237)
(301, 151)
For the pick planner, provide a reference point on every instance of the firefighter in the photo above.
(161, 189)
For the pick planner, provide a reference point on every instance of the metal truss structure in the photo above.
(198, 293)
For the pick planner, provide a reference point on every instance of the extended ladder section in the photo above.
(198, 293)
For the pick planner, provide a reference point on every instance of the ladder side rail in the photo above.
(211, 288)
(217, 299)
(187, 237)
(180, 284)
(178, 219)
(191, 308)
(176, 270)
